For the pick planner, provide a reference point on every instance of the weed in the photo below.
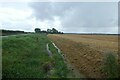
(60, 68)
(111, 65)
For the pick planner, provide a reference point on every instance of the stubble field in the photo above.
(86, 52)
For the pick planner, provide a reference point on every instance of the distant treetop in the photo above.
(49, 31)
(37, 30)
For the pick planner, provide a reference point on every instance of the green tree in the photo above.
(54, 30)
(37, 30)
(49, 31)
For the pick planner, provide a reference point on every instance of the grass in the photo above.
(60, 68)
(0, 57)
(111, 65)
(119, 70)
(25, 56)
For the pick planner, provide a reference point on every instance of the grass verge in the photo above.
(25, 56)
(60, 68)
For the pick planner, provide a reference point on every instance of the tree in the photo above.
(37, 30)
(49, 31)
(54, 30)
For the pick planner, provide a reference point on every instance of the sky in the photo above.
(68, 17)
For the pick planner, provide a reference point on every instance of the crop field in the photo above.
(87, 52)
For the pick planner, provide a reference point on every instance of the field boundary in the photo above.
(73, 70)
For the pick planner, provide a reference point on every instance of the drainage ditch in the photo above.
(73, 70)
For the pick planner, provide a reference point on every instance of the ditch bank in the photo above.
(74, 73)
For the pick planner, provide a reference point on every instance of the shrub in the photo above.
(111, 65)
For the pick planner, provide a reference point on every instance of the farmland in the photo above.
(87, 52)
(81, 56)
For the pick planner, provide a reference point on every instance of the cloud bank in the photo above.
(98, 17)
(69, 17)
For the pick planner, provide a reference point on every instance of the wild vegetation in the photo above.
(88, 53)
(111, 65)
(0, 57)
(10, 32)
(25, 56)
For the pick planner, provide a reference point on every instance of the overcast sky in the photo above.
(73, 17)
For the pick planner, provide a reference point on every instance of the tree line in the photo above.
(49, 31)
(10, 32)
(37, 30)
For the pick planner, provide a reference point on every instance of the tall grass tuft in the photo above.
(111, 65)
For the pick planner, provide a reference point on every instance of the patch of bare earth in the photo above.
(86, 52)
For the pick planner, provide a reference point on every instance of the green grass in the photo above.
(111, 65)
(0, 57)
(60, 68)
(25, 56)
(119, 70)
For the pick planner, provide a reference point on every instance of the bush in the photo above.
(111, 65)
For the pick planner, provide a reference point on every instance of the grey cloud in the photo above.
(47, 10)
(79, 16)
(119, 17)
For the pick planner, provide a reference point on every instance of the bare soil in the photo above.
(86, 52)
